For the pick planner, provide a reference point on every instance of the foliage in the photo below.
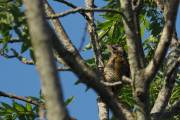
(110, 31)
(20, 111)
(24, 112)
(12, 20)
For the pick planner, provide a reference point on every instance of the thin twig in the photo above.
(111, 83)
(13, 40)
(126, 80)
(83, 38)
(155, 7)
(175, 105)
(5, 55)
(63, 69)
(22, 59)
(67, 3)
(170, 70)
(81, 10)
(20, 98)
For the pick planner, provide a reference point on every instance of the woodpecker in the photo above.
(117, 66)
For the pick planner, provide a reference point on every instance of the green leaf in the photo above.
(8, 107)
(104, 25)
(41, 94)
(87, 47)
(102, 34)
(18, 3)
(3, 113)
(90, 61)
(32, 54)
(36, 108)
(111, 32)
(147, 46)
(14, 116)
(3, 3)
(15, 12)
(77, 82)
(25, 46)
(18, 32)
(156, 30)
(2, 109)
(8, 18)
(141, 18)
(18, 106)
(68, 101)
(22, 117)
(87, 88)
(153, 24)
(28, 107)
(142, 31)
(146, 24)
(8, 117)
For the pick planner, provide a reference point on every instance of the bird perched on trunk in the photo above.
(117, 66)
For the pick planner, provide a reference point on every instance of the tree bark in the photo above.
(102, 107)
(42, 46)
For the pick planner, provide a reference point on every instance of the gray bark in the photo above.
(42, 46)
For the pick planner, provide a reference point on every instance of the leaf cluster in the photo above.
(13, 20)
(111, 31)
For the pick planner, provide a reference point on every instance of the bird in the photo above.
(117, 66)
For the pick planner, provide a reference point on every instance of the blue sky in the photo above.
(23, 80)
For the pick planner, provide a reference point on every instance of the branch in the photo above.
(63, 69)
(80, 10)
(13, 40)
(41, 110)
(126, 80)
(103, 109)
(165, 41)
(62, 35)
(125, 109)
(73, 6)
(160, 4)
(42, 107)
(85, 74)
(5, 55)
(130, 30)
(111, 83)
(29, 62)
(137, 10)
(139, 7)
(42, 44)
(175, 105)
(67, 3)
(22, 59)
(171, 112)
(171, 69)
(72, 58)
(20, 98)
(155, 7)
(169, 80)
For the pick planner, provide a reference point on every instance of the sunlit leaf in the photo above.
(68, 101)
(28, 107)
(8, 107)
(18, 106)
(146, 24)
(142, 31)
